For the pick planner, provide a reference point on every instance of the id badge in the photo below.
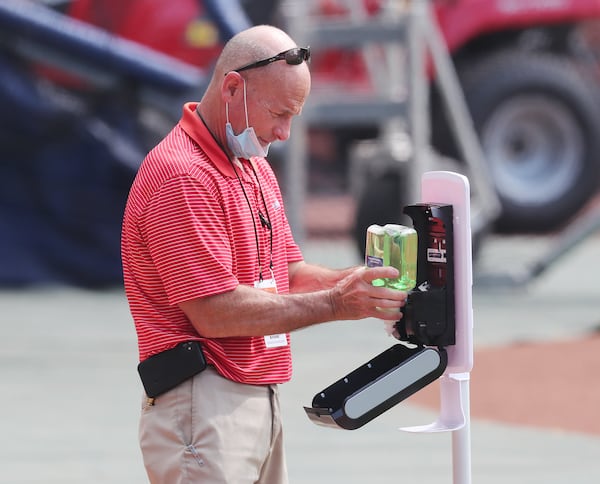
(271, 340)
(268, 285)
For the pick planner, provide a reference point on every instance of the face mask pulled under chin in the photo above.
(245, 144)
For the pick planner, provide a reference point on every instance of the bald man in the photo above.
(215, 281)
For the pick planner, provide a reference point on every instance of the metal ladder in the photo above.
(395, 45)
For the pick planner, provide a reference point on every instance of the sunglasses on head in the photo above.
(294, 56)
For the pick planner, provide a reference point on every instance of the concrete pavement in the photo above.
(71, 395)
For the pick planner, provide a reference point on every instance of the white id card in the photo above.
(268, 285)
(271, 340)
(276, 340)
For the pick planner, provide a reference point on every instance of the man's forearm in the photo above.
(335, 295)
(247, 311)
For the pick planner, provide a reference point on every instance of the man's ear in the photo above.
(232, 84)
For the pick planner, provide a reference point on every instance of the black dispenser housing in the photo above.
(429, 315)
(427, 326)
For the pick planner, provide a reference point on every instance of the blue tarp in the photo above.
(62, 192)
(65, 171)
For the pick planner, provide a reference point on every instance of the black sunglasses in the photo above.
(294, 56)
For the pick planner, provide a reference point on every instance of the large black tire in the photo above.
(380, 203)
(538, 120)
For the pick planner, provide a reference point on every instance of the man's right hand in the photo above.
(355, 297)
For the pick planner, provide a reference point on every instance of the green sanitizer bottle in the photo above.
(393, 245)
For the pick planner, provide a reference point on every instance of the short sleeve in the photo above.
(185, 231)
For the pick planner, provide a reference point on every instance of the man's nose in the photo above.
(282, 130)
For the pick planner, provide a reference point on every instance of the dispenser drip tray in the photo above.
(377, 386)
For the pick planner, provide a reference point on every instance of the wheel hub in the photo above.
(534, 147)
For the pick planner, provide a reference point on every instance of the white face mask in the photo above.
(245, 144)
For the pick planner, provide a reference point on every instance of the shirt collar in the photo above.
(193, 125)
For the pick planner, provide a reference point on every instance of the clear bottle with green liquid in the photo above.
(393, 245)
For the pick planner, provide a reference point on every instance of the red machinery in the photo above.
(529, 73)
(526, 68)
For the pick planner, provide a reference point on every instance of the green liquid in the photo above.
(393, 245)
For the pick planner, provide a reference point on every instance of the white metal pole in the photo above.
(296, 155)
(461, 438)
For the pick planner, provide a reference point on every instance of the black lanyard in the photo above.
(265, 221)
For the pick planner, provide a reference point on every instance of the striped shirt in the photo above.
(189, 232)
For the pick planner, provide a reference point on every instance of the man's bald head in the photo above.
(251, 45)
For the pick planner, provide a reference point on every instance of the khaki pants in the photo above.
(211, 430)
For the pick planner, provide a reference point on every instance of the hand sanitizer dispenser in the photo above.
(427, 331)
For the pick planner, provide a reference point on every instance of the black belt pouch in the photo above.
(164, 371)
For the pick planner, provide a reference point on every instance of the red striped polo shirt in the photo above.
(188, 232)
